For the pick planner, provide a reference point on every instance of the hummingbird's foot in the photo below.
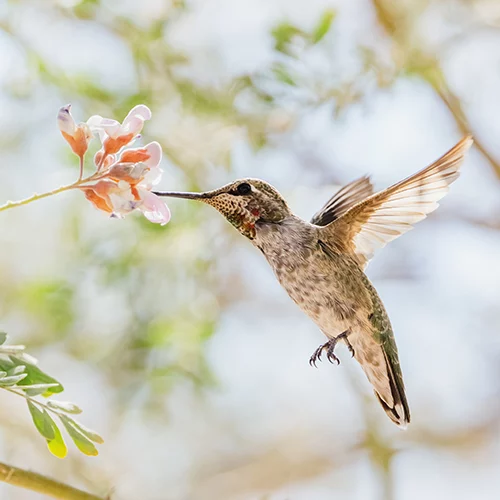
(345, 336)
(330, 349)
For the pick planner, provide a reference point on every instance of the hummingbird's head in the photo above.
(243, 203)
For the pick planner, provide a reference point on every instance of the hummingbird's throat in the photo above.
(244, 221)
(240, 215)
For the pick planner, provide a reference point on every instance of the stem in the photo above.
(33, 400)
(35, 197)
(42, 484)
(81, 169)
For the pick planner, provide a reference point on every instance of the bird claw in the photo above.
(330, 350)
(331, 356)
(330, 347)
(316, 356)
(347, 343)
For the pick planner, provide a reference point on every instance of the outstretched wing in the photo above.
(343, 200)
(372, 223)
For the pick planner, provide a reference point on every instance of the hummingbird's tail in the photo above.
(399, 411)
(381, 366)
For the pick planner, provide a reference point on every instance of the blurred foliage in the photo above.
(50, 302)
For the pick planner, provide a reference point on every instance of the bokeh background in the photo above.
(177, 341)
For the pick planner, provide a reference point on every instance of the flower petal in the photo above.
(65, 121)
(134, 121)
(104, 127)
(77, 136)
(113, 145)
(141, 111)
(108, 160)
(152, 178)
(133, 126)
(132, 173)
(94, 123)
(118, 196)
(135, 156)
(155, 153)
(150, 155)
(98, 195)
(154, 208)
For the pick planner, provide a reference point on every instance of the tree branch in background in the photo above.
(397, 23)
(453, 104)
(42, 484)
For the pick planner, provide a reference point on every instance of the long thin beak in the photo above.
(180, 194)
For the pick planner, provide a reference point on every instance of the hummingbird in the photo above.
(321, 263)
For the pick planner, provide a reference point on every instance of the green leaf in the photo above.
(17, 370)
(57, 446)
(36, 389)
(323, 26)
(12, 349)
(93, 436)
(35, 376)
(3, 374)
(283, 34)
(65, 406)
(10, 381)
(6, 364)
(3, 338)
(43, 422)
(81, 441)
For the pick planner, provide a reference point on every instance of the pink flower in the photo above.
(135, 164)
(78, 136)
(122, 182)
(149, 154)
(153, 207)
(115, 198)
(120, 198)
(115, 135)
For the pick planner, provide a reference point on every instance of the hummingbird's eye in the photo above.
(244, 188)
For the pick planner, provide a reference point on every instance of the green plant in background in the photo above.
(20, 375)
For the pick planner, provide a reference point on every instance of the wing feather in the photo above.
(379, 219)
(343, 200)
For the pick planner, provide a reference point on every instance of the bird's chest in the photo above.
(318, 284)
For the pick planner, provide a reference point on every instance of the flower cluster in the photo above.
(123, 178)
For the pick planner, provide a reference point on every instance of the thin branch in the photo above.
(42, 484)
(35, 197)
(453, 104)
(67, 187)
(46, 407)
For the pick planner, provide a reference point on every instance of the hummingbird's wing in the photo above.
(372, 223)
(343, 200)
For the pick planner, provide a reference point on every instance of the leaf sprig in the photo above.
(19, 374)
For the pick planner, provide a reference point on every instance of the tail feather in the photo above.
(399, 412)
(384, 373)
